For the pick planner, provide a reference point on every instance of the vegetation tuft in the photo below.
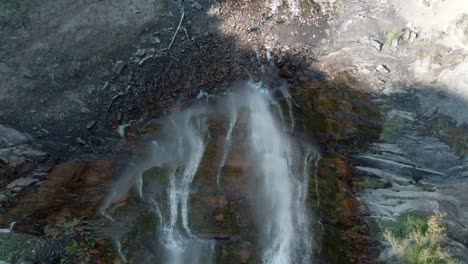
(418, 240)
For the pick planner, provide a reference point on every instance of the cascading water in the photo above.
(282, 175)
(182, 150)
(278, 167)
(227, 144)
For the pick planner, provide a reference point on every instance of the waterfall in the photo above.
(185, 145)
(281, 194)
(278, 168)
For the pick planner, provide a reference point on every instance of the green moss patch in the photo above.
(369, 183)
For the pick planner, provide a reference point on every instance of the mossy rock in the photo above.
(335, 246)
(369, 183)
(159, 174)
(238, 252)
(16, 248)
(341, 117)
(212, 219)
(336, 112)
(142, 238)
(338, 210)
(155, 184)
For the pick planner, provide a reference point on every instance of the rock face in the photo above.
(10, 137)
(91, 97)
(58, 218)
(418, 172)
(118, 67)
(327, 112)
(77, 186)
(331, 113)
(18, 158)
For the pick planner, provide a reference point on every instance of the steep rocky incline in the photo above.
(83, 85)
(414, 169)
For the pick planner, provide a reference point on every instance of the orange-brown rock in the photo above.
(73, 189)
(219, 218)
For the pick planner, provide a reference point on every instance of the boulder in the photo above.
(376, 44)
(10, 137)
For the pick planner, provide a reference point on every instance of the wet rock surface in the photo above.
(143, 84)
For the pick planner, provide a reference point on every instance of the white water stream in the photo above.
(278, 164)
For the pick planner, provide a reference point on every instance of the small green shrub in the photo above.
(417, 240)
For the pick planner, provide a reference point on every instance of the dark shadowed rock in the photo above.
(376, 44)
(118, 67)
(10, 137)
